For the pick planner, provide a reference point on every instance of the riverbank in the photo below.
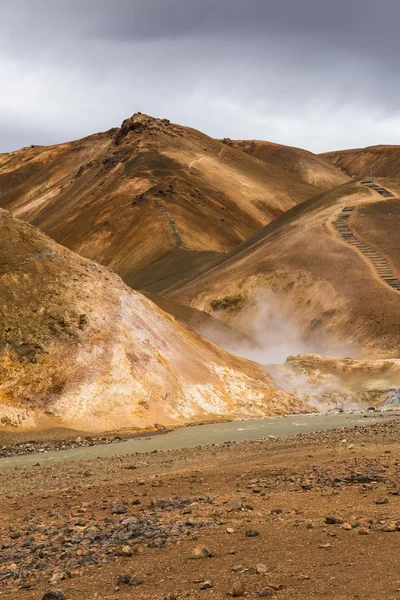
(301, 517)
(86, 448)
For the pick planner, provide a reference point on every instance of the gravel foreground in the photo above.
(307, 517)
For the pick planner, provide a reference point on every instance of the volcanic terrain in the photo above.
(270, 252)
(330, 267)
(78, 348)
(373, 161)
(155, 201)
(302, 518)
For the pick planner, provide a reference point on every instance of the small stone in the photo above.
(54, 595)
(157, 543)
(325, 546)
(206, 585)
(136, 581)
(126, 550)
(202, 552)
(124, 579)
(57, 577)
(382, 501)
(333, 520)
(119, 510)
(130, 521)
(364, 531)
(230, 530)
(346, 527)
(252, 533)
(267, 592)
(238, 569)
(261, 569)
(238, 589)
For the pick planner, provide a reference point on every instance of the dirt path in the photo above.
(380, 264)
(304, 518)
(171, 224)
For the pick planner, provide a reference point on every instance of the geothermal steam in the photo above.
(311, 366)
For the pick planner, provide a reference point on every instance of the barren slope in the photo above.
(325, 274)
(153, 200)
(79, 348)
(373, 161)
(308, 167)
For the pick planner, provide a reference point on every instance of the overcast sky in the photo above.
(317, 74)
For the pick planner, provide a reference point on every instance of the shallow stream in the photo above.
(204, 435)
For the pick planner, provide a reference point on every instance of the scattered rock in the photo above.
(124, 579)
(206, 585)
(54, 595)
(119, 510)
(333, 520)
(202, 552)
(57, 577)
(252, 533)
(130, 521)
(238, 589)
(136, 581)
(157, 543)
(267, 592)
(261, 569)
(239, 569)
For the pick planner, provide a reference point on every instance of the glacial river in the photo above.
(205, 435)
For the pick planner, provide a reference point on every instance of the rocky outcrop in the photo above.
(140, 123)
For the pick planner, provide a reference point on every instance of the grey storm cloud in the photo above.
(301, 72)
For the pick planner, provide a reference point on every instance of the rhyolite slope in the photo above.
(80, 349)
